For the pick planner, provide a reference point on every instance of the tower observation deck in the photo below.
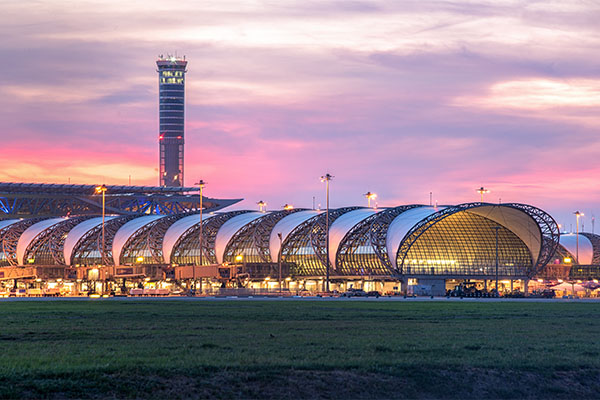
(171, 85)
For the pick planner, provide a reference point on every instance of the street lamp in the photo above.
(577, 214)
(102, 190)
(326, 178)
(262, 206)
(482, 191)
(200, 185)
(288, 207)
(370, 196)
(279, 259)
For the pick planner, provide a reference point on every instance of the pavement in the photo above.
(309, 298)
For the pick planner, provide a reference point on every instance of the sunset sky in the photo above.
(401, 98)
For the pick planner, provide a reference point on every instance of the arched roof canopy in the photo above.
(10, 236)
(229, 229)
(305, 246)
(78, 232)
(364, 250)
(595, 240)
(534, 228)
(145, 246)
(252, 241)
(48, 246)
(4, 227)
(342, 225)
(400, 227)
(586, 249)
(30, 234)
(285, 226)
(88, 249)
(186, 249)
(126, 231)
(176, 231)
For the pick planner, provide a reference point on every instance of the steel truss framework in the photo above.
(22, 200)
(47, 247)
(253, 240)
(147, 242)
(186, 249)
(87, 251)
(546, 224)
(306, 245)
(363, 249)
(10, 239)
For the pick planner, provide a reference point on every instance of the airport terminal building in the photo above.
(377, 249)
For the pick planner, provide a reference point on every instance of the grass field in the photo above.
(299, 349)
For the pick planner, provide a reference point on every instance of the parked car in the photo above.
(354, 293)
(373, 293)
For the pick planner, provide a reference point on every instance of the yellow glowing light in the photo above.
(239, 258)
(567, 260)
(31, 260)
(140, 259)
(100, 189)
(94, 296)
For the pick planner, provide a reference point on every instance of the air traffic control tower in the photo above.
(171, 85)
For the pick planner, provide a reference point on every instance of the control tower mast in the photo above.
(171, 85)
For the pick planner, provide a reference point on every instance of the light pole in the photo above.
(326, 178)
(482, 191)
(496, 229)
(102, 190)
(370, 196)
(200, 184)
(262, 206)
(279, 259)
(577, 214)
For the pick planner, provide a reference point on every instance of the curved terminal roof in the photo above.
(342, 225)
(177, 229)
(127, 230)
(7, 222)
(78, 232)
(229, 228)
(400, 227)
(31, 233)
(586, 250)
(285, 226)
(518, 222)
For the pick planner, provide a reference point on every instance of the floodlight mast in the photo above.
(577, 215)
(200, 185)
(101, 189)
(482, 191)
(370, 196)
(326, 178)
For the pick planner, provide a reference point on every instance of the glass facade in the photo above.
(464, 244)
(171, 84)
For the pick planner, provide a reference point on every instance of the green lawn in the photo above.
(299, 349)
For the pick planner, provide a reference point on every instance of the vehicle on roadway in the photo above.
(354, 293)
